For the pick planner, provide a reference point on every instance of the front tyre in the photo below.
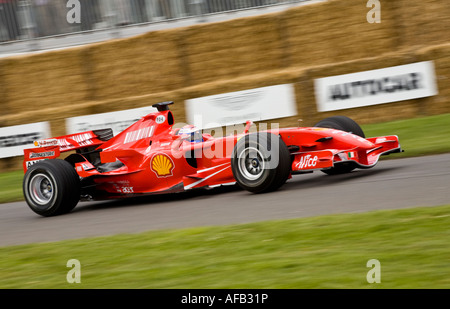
(346, 124)
(51, 187)
(261, 162)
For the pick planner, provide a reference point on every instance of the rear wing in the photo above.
(51, 148)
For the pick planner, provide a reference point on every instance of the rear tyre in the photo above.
(51, 187)
(346, 124)
(261, 162)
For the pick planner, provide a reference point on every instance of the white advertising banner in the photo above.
(392, 84)
(237, 107)
(117, 121)
(14, 139)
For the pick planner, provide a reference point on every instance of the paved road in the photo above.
(401, 183)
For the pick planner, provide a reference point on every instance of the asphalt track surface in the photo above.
(400, 183)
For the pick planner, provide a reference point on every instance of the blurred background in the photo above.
(31, 19)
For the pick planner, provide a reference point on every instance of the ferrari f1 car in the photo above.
(153, 157)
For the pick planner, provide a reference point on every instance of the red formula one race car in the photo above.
(154, 157)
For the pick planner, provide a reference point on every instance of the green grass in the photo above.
(412, 246)
(11, 186)
(418, 137)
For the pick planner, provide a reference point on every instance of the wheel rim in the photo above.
(251, 163)
(41, 189)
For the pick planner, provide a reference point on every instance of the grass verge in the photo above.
(418, 137)
(11, 186)
(320, 252)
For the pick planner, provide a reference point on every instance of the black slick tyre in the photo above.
(346, 124)
(343, 123)
(261, 162)
(51, 187)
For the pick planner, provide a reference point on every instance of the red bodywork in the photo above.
(150, 158)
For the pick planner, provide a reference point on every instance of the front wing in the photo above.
(362, 158)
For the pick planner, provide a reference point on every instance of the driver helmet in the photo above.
(191, 133)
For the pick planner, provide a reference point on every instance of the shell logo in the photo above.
(162, 165)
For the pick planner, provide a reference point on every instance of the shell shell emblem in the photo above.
(162, 165)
